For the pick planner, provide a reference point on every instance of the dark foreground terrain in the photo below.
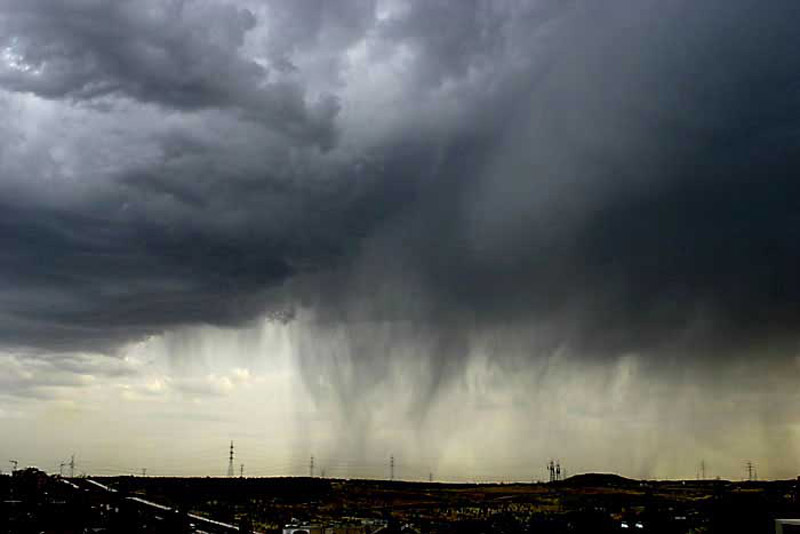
(33, 502)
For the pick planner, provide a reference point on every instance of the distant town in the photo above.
(32, 501)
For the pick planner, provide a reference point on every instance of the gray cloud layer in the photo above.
(181, 55)
(546, 175)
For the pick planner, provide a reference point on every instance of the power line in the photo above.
(337, 467)
(555, 470)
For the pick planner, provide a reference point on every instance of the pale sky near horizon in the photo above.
(473, 235)
(171, 404)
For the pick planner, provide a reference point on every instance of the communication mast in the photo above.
(230, 461)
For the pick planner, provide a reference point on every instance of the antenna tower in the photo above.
(230, 461)
(391, 467)
(311, 467)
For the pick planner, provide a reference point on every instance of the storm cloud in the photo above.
(418, 180)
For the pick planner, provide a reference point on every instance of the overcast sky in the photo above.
(475, 235)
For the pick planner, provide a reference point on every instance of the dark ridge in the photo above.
(599, 480)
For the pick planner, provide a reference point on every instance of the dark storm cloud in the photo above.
(654, 206)
(303, 25)
(180, 54)
(171, 249)
(638, 194)
(453, 36)
(604, 179)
